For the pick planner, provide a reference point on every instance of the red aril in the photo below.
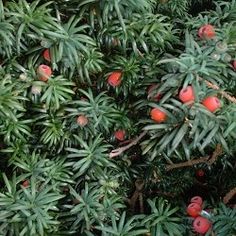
(82, 120)
(157, 115)
(46, 55)
(186, 94)
(212, 103)
(194, 209)
(120, 135)
(114, 78)
(206, 32)
(44, 72)
(201, 225)
(196, 199)
(234, 64)
(200, 173)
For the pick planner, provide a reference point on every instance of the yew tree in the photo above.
(117, 117)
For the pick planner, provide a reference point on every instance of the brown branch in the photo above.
(187, 163)
(139, 185)
(141, 203)
(209, 160)
(212, 233)
(119, 151)
(218, 151)
(223, 93)
(229, 195)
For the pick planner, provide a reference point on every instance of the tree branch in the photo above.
(218, 151)
(137, 195)
(229, 195)
(119, 151)
(187, 163)
(223, 93)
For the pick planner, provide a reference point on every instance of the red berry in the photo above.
(200, 173)
(120, 134)
(211, 103)
(234, 64)
(25, 183)
(206, 32)
(158, 115)
(156, 97)
(196, 199)
(186, 94)
(114, 78)
(194, 209)
(201, 225)
(44, 72)
(46, 55)
(82, 120)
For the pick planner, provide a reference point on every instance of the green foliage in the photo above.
(189, 127)
(225, 11)
(53, 172)
(106, 10)
(30, 22)
(16, 128)
(163, 219)
(174, 7)
(91, 207)
(61, 178)
(10, 101)
(71, 43)
(142, 35)
(225, 221)
(28, 210)
(57, 91)
(88, 210)
(123, 228)
(100, 110)
(6, 34)
(92, 157)
(53, 131)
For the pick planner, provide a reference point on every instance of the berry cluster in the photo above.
(186, 95)
(44, 72)
(195, 210)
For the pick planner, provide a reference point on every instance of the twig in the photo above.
(212, 233)
(223, 93)
(141, 203)
(119, 151)
(187, 163)
(137, 195)
(218, 151)
(229, 195)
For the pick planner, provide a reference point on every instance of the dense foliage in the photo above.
(79, 79)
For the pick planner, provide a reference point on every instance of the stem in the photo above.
(223, 93)
(218, 151)
(119, 151)
(229, 195)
